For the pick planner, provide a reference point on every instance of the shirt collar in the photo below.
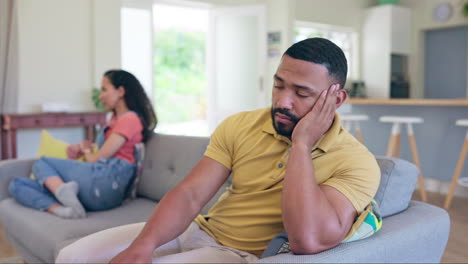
(324, 143)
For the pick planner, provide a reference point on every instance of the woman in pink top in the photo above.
(68, 188)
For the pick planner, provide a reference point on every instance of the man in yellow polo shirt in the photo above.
(293, 168)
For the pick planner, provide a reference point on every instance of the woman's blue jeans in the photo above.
(102, 185)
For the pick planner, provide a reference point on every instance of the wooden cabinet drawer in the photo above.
(74, 120)
(53, 120)
(91, 119)
(25, 122)
(34, 121)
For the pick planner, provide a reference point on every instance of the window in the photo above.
(345, 38)
(180, 81)
(183, 51)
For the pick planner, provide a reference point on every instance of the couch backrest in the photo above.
(170, 158)
(397, 183)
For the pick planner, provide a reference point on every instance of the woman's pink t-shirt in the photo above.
(128, 125)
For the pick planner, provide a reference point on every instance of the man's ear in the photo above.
(341, 97)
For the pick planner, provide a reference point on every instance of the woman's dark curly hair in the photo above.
(136, 99)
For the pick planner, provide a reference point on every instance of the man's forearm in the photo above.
(310, 220)
(180, 206)
(176, 210)
(171, 217)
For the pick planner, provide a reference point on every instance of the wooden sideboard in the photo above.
(10, 123)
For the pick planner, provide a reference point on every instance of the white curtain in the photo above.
(8, 57)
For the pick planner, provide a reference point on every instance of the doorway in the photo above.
(446, 63)
(237, 61)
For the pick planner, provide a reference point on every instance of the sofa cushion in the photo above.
(417, 235)
(397, 183)
(46, 233)
(169, 159)
(50, 147)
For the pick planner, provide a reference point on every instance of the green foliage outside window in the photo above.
(179, 76)
(465, 9)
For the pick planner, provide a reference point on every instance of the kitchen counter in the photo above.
(439, 140)
(423, 102)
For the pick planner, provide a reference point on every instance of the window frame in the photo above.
(354, 58)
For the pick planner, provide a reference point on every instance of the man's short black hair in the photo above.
(324, 52)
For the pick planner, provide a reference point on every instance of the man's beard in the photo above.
(281, 128)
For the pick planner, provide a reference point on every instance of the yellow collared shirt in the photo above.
(248, 215)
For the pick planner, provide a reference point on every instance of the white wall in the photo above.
(344, 13)
(64, 47)
(280, 18)
(421, 21)
(54, 53)
(106, 33)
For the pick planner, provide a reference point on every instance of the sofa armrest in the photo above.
(418, 234)
(10, 169)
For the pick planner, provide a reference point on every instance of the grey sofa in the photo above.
(412, 231)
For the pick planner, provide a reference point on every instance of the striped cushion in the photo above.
(139, 158)
(365, 225)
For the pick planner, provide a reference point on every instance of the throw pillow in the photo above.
(139, 158)
(365, 225)
(397, 183)
(51, 147)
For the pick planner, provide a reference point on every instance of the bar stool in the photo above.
(458, 169)
(394, 143)
(349, 120)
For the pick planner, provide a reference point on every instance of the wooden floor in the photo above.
(6, 250)
(456, 251)
(457, 246)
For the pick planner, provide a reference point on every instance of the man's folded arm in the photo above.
(316, 217)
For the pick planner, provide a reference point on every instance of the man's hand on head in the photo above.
(317, 121)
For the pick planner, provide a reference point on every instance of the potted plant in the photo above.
(95, 97)
(465, 9)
